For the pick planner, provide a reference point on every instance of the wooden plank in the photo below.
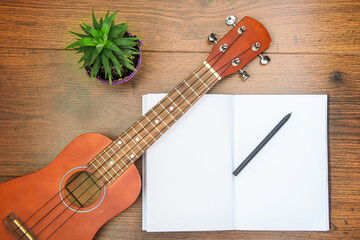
(46, 102)
(44, 111)
(295, 26)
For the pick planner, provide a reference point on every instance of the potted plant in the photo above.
(110, 53)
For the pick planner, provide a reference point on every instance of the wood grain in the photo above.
(46, 102)
(295, 26)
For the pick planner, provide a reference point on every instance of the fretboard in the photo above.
(118, 156)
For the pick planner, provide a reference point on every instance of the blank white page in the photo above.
(188, 185)
(285, 186)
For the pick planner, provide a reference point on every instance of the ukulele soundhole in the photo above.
(82, 189)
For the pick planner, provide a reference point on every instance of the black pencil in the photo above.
(262, 144)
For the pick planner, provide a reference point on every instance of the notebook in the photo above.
(188, 183)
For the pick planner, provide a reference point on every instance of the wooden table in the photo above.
(45, 101)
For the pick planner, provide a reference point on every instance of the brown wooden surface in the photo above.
(45, 101)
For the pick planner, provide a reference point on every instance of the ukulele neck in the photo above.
(126, 149)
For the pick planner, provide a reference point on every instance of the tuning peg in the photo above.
(230, 21)
(212, 38)
(244, 74)
(264, 59)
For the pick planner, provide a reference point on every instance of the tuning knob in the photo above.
(230, 20)
(212, 38)
(244, 74)
(264, 59)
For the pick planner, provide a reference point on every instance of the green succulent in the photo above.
(105, 44)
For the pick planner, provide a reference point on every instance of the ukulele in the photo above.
(93, 179)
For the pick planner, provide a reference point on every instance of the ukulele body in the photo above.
(25, 195)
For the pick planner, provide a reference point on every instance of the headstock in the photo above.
(238, 47)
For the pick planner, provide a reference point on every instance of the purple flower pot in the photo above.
(88, 69)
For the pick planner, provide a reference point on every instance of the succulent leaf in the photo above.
(95, 23)
(107, 23)
(93, 32)
(106, 64)
(127, 62)
(130, 52)
(119, 29)
(112, 46)
(101, 22)
(126, 41)
(96, 67)
(86, 63)
(99, 47)
(94, 54)
(79, 35)
(87, 42)
(117, 65)
(86, 55)
(85, 31)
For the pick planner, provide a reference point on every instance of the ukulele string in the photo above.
(59, 192)
(101, 154)
(65, 219)
(129, 140)
(231, 60)
(113, 143)
(66, 196)
(144, 127)
(110, 157)
(224, 51)
(50, 200)
(70, 204)
(221, 52)
(81, 182)
(82, 193)
(171, 121)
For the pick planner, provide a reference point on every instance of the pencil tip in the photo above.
(290, 113)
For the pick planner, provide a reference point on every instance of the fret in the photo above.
(175, 104)
(201, 81)
(101, 165)
(192, 89)
(107, 170)
(109, 164)
(167, 113)
(151, 114)
(183, 97)
(199, 87)
(127, 156)
(112, 162)
(129, 148)
(100, 171)
(119, 158)
(140, 136)
(213, 72)
(134, 142)
(147, 131)
(131, 155)
(113, 152)
(153, 124)
(160, 117)
(124, 152)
